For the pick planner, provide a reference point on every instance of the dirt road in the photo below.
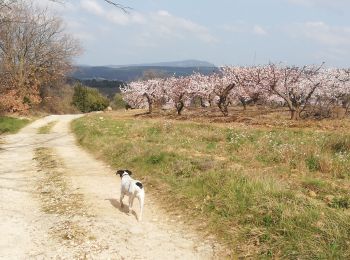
(58, 202)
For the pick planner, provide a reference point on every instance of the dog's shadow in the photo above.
(125, 209)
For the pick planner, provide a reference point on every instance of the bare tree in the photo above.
(34, 52)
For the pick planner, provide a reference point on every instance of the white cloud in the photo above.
(55, 7)
(83, 36)
(258, 30)
(326, 34)
(117, 17)
(234, 28)
(92, 7)
(163, 13)
(321, 3)
(161, 22)
(78, 29)
(113, 15)
(242, 27)
(327, 42)
(177, 26)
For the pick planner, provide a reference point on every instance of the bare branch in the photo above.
(124, 8)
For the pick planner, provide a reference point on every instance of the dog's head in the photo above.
(121, 172)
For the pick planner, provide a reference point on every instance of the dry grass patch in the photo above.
(256, 116)
(56, 197)
(251, 186)
(46, 129)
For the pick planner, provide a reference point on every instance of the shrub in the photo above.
(338, 144)
(118, 102)
(340, 202)
(58, 100)
(88, 99)
(313, 163)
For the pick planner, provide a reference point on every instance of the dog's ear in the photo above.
(120, 172)
(129, 172)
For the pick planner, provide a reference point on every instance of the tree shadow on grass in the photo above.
(142, 114)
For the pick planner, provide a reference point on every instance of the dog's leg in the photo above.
(121, 199)
(141, 198)
(131, 202)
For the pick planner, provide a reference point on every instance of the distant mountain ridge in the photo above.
(181, 64)
(134, 72)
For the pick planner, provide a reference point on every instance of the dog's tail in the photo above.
(141, 197)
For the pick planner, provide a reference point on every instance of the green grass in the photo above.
(46, 129)
(249, 186)
(10, 125)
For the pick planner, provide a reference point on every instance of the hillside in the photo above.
(133, 72)
(182, 64)
(107, 87)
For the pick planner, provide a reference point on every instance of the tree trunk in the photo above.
(179, 106)
(150, 103)
(295, 114)
(244, 103)
(202, 102)
(223, 104)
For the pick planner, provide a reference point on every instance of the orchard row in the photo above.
(297, 88)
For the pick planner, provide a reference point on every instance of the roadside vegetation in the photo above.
(118, 102)
(11, 125)
(88, 99)
(46, 129)
(265, 191)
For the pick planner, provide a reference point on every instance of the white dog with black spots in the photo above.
(131, 188)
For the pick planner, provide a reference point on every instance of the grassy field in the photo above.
(11, 125)
(265, 190)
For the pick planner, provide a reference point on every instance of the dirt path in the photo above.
(57, 201)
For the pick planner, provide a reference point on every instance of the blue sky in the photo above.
(237, 32)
